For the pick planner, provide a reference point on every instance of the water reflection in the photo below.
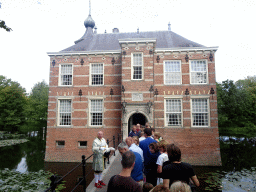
(22, 166)
(25, 157)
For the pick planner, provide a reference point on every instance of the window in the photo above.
(97, 74)
(66, 74)
(172, 72)
(173, 112)
(96, 112)
(137, 66)
(200, 112)
(65, 112)
(82, 143)
(198, 71)
(60, 143)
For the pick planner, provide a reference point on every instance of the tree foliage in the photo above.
(236, 103)
(12, 103)
(3, 25)
(19, 112)
(36, 109)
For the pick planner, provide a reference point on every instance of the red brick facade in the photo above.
(199, 144)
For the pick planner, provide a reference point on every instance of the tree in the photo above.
(12, 103)
(36, 110)
(236, 103)
(3, 25)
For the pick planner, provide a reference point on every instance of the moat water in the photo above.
(237, 173)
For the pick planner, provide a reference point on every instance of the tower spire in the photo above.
(89, 21)
(89, 7)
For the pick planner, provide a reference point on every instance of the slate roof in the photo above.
(110, 41)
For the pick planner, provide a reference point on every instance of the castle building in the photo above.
(111, 81)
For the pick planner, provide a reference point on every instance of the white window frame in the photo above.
(180, 72)
(166, 113)
(59, 113)
(60, 74)
(204, 72)
(91, 64)
(90, 113)
(132, 66)
(207, 112)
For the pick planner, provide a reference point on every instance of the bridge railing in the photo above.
(55, 181)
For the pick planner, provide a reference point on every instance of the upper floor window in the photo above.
(172, 72)
(66, 73)
(173, 112)
(137, 66)
(64, 112)
(97, 74)
(198, 71)
(96, 112)
(200, 112)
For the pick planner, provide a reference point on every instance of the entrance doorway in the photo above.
(135, 119)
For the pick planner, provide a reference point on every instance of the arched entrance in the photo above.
(135, 119)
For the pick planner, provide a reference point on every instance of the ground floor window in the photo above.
(173, 112)
(65, 112)
(200, 112)
(96, 112)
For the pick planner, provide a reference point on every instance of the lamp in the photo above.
(82, 61)
(124, 104)
(113, 61)
(151, 89)
(123, 89)
(186, 92)
(150, 52)
(157, 59)
(124, 53)
(53, 63)
(211, 57)
(111, 92)
(186, 58)
(149, 104)
(80, 93)
(156, 93)
(212, 92)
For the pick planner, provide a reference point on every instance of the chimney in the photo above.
(138, 30)
(115, 30)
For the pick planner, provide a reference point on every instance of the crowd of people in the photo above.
(149, 163)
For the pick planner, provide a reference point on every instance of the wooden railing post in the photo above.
(53, 184)
(114, 144)
(84, 180)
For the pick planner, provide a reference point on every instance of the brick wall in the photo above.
(199, 146)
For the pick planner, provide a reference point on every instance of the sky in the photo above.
(41, 26)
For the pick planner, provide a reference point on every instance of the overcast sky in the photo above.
(41, 26)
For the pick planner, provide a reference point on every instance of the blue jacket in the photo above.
(137, 172)
(146, 153)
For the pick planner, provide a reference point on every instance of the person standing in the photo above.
(99, 147)
(144, 145)
(124, 182)
(175, 170)
(134, 132)
(162, 146)
(133, 147)
(137, 172)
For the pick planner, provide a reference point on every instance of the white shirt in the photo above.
(137, 149)
(162, 158)
(142, 138)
